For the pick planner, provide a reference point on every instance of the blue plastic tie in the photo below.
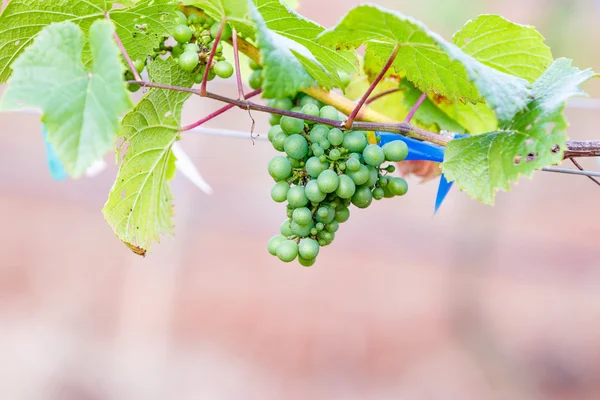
(423, 151)
(57, 171)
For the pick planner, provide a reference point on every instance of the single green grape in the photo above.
(274, 243)
(328, 181)
(395, 150)
(275, 129)
(296, 197)
(323, 213)
(193, 47)
(362, 197)
(295, 163)
(306, 99)
(344, 78)
(329, 112)
(378, 193)
(291, 125)
(397, 186)
(287, 251)
(326, 236)
(335, 137)
(295, 146)
(310, 109)
(334, 154)
(308, 249)
(181, 19)
(182, 33)
(382, 181)
(193, 19)
(219, 49)
(225, 35)
(373, 155)
(306, 262)
(302, 215)
(346, 187)
(254, 65)
(325, 144)
(353, 164)
(373, 177)
(361, 176)
(286, 228)
(279, 191)
(274, 119)
(318, 133)
(132, 87)
(333, 226)
(302, 230)
(139, 65)
(283, 103)
(314, 167)
(280, 168)
(177, 51)
(313, 193)
(320, 226)
(355, 141)
(188, 61)
(256, 79)
(223, 69)
(342, 215)
(279, 141)
(317, 150)
(390, 168)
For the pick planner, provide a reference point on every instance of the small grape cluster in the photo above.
(323, 173)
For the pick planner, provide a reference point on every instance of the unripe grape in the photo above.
(382, 181)
(193, 19)
(199, 77)
(342, 215)
(314, 167)
(313, 193)
(306, 262)
(326, 236)
(320, 226)
(306, 99)
(390, 168)
(355, 141)
(363, 197)
(177, 51)
(193, 47)
(180, 19)
(295, 163)
(344, 78)
(280, 168)
(286, 228)
(301, 230)
(328, 181)
(188, 61)
(274, 119)
(139, 65)
(373, 177)
(284, 103)
(223, 69)
(279, 191)
(325, 144)
(332, 227)
(346, 187)
(334, 154)
(279, 140)
(397, 186)
(329, 112)
(287, 251)
(275, 129)
(378, 193)
(295, 146)
(308, 249)
(335, 137)
(373, 155)
(256, 79)
(274, 243)
(353, 164)
(317, 150)
(225, 35)
(361, 176)
(310, 109)
(291, 125)
(254, 65)
(395, 150)
(318, 133)
(182, 33)
(296, 197)
(302, 216)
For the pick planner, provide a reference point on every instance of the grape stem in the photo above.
(236, 63)
(211, 57)
(579, 167)
(218, 112)
(136, 75)
(382, 94)
(575, 148)
(348, 123)
(414, 109)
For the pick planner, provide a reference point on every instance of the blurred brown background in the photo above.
(477, 302)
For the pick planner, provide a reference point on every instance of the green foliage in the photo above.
(140, 27)
(139, 207)
(428, 61)
(535, 138)
(508, 47)
(237, 13)
(81, 107)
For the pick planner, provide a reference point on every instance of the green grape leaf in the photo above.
(327, 63)
(515, 49)
(139, 207)
(81, 107)
(283, 74)
(427, 60)
(534, 139)
(22, 21)
(236, 12)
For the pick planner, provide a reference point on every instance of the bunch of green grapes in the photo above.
(323, 173)
(195, 37)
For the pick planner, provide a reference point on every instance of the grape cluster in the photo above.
(323, 173)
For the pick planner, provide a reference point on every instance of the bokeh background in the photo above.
(477, 302)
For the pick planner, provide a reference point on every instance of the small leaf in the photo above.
(516, 49)
(81, 107)
(283, 74)
(427, 60)
(534, 139)
(139, 207)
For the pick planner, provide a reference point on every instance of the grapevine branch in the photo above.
(413, 110)
(576, 163)
(382, 94)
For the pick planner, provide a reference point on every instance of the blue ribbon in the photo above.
(57, 171)
(423, 151)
